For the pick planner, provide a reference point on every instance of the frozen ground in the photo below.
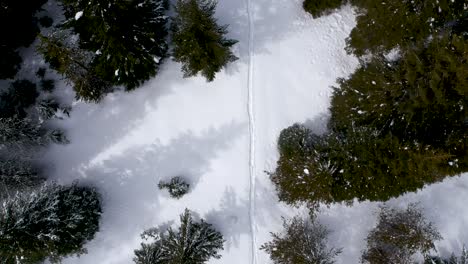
(222, 136)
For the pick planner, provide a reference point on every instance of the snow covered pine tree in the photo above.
(193, 243)
(52, 222)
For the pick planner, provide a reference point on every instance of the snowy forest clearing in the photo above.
(174, 126)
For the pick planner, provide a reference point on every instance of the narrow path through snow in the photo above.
(251, 113)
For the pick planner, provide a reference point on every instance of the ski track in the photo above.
(251, 114)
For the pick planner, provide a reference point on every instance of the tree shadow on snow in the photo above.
(92, 128)
(128, 182)
(232, 216)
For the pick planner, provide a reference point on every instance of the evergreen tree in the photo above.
(384, 25)
(303, 172)
(75, 65)
(21, 14)
(194, 243)
(128, 37)
(52, 222)
(318, 8)
(304, 241)
(199, 42)
(399, 234)
(20, 95)
(361, 164)
(421, 97)
(177, 187)
(10, 62)
(17, 175)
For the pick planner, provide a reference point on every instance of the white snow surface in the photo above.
(222, 137)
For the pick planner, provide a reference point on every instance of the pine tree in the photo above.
(193, 243)
(17, 175)
(384, 25)
(10, 62)
(20, 95)
(318, 8)
(303, 173)
(303, 241)
(421, 97)
(464, 256)
(128, 37)
(399, 234)
(21, 14)
(52, 222)
(199, 42)
(75, 65)
(362, 164)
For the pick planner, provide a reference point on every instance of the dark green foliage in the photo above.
(46, 21)
(303, 241)
(421, 97)
(128, 38)
(53, 222)
(177, 187)
(10, 62)
(193, 243)
(199, 42)
(384, 25)
(318, 8)
(361, 164)
(75, 65)
(460, 26)
(399, 234)
(19, 29)
(20, 95)
(299, 150)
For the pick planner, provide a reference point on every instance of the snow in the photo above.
(78, 15)
(222, 137)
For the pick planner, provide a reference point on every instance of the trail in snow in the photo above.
(251, 113)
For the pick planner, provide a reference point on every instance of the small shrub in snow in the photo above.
(302, 241)
(399, 235)
(50, 223)
(176, 187)
(199, 42)
(195, 242)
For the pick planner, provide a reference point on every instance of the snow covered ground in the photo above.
(222, 136)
